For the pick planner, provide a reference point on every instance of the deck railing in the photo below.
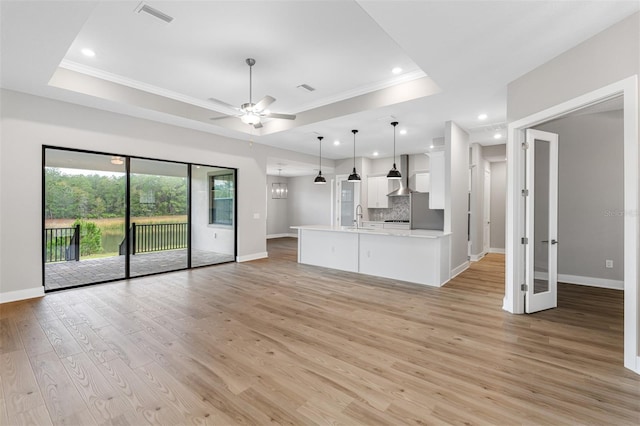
(155, 237)
(62, 244)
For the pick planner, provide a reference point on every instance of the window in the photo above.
(222, 188)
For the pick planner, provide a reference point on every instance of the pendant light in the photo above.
(320, 180)
(354, 176)
(394, 173)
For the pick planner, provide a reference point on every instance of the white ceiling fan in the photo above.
(249, 112)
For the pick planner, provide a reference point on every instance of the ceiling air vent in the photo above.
(306, 87)
(143, 7)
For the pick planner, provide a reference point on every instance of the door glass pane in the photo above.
(541, 217)
(347, 206)
(84, 211)
(213, 215)
(159, 207)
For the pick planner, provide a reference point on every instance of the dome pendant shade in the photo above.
(394, 173)
(354, 176)
(319, 180)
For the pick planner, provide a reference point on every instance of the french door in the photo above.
(541, 219)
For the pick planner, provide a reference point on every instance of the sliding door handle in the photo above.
(554, 241)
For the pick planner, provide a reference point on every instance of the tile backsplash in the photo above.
(399, 209)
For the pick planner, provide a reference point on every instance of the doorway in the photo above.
(514, 300)
(346, 201)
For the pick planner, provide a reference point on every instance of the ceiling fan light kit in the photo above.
(249, 112)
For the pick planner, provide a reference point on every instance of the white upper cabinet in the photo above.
(436, 180)
(423, 182)
(377, 190)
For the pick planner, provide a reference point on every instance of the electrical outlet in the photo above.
(608, 263)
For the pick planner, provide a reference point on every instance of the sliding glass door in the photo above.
(176, 216)
(158, 231)
(84, 215)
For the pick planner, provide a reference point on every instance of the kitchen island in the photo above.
(417, 256)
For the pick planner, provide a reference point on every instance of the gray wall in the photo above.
(590, 192)
(310, 204)
(498, 204)
(277, 210)
(456, 192)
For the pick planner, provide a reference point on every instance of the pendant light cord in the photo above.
(354, 148)
(320, 163)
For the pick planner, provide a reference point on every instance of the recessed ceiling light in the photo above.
(375, 153)
(431, 146)
(403, 131)
(497, 136)
(482, 117)
(336, 142)
(88, 52)
(396, 70)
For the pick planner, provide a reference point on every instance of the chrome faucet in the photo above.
(358, 218)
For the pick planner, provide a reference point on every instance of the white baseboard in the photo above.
(459, 269)
(289, 235)
(14, 296)
(497, 250)
(253, 256)
(476, 257)
(588, 281)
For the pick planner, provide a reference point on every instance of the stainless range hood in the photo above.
(404, 189)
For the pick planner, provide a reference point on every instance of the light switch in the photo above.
(256, 215)
(608, 263)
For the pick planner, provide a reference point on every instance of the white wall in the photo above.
(498, 204)
(29, 122)
(277, 209)
(478, 165)
(590, 187)
(206, 236)
(456, 193)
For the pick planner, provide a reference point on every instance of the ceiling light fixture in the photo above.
(394, 173)
(117, 160)
(250, 118)
(375, 153)
(403, 131)
(354, 176)
(396, 70)
(320, 180)
(497, 136)
(336, 142)
(482, 116)
(88, 52)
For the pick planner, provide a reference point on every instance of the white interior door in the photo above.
(541, 220)
(486, 216)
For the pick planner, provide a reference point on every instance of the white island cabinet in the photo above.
(417, 256)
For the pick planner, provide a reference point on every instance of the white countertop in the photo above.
(416, 233)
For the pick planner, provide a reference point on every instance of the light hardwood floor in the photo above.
(272, 341)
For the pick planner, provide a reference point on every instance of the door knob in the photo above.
(554, 241)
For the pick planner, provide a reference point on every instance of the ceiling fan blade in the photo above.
(257, 125)
(264, 103)
(282, 116)
(221, 117)
(223, 104)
